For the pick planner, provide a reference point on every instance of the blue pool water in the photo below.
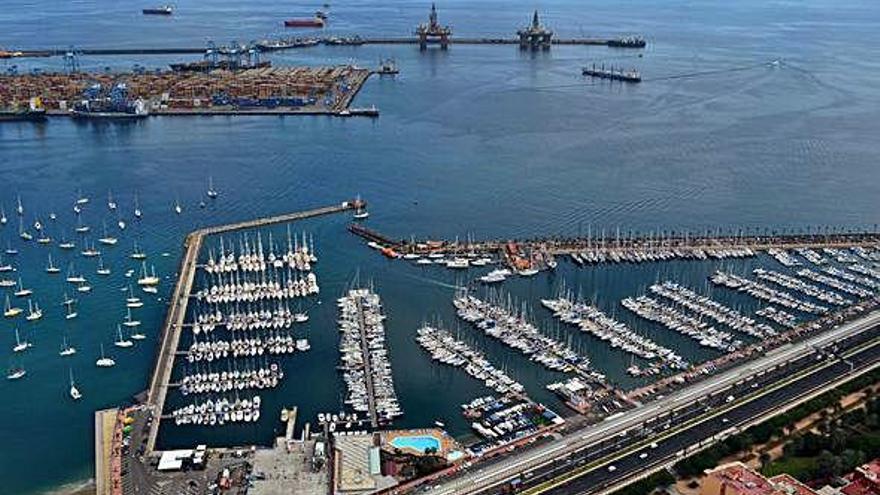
(417, 443)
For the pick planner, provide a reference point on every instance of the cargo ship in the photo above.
(115, 104)
(286, 43)
(163, 10)
(206, 65)
(315, 22)
(33, 113)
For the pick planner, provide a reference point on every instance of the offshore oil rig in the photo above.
(433, 31)
(535, 36)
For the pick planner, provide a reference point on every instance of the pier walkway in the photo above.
(685, 243)
(368, 368)
(174, 321)
(360, 41)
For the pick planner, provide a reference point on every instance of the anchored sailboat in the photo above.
(120, 340)
(74, 392)
(104, 361)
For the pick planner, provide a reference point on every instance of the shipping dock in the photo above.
(252, 91)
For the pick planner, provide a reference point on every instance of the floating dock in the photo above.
(174, 321)
(631, 76)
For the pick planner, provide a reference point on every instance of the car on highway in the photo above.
(612, 468)
(643, 455)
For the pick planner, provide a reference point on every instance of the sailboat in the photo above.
(9, 311)
(89, 251)
(67, 349)
(80, 199)
(110, 203)
(15, 373)
(20, 346)
(360, 213)
(177, 208)
(34, 311)
(24, 234)
(128, 321)
(19, 208)
(138, 253)
(69, 303)
(3, 218)
(11, 251)
(7, 267)
(132, 301)
(72, 277)
(147, 279)
(137, 208)
(104, 361)
(74, 392)
(80, 228)
(51, 268)
(22, 292)
(83, 287)
(120, 340)
(107, 240)
(212, 193)
(65, 244)
(102, 270)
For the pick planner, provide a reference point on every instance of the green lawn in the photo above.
(799, 467)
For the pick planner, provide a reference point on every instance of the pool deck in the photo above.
(447, 443)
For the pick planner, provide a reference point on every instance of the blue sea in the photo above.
(752, 115)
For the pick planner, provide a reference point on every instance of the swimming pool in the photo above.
(419, 443)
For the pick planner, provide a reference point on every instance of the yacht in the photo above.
(74, 392)
(120, 340)
(104, 361)
(20, 346)
(51, 268)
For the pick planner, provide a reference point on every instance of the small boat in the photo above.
(20, 346)
(15, 373)
(7, 267)
(24, 234)
(151, 290)
(104, 361)
(120, 340)
(3, 219)
(19, 208)
(71, 312)
(137, 209)
(89, 251)
(65, 244)
(212, 193)
(80, 228)
(74, 392)
(301, 317)
(110, 203)
(161, 10)
(84, 287)
(11, 251)
(177, 208)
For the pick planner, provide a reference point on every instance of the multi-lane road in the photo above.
(593, 439)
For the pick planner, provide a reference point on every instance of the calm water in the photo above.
(482, 141)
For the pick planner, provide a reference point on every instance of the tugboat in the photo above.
(161, 10)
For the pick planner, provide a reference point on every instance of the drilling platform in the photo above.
(535, 36)
(433, 31)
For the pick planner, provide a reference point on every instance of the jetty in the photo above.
(174, 321)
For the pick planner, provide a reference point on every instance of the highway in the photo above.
(528, 460)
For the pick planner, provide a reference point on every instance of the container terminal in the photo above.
(266, 90)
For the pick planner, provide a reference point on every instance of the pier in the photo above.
(616, 248)
(174, 321)
(368, 367)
